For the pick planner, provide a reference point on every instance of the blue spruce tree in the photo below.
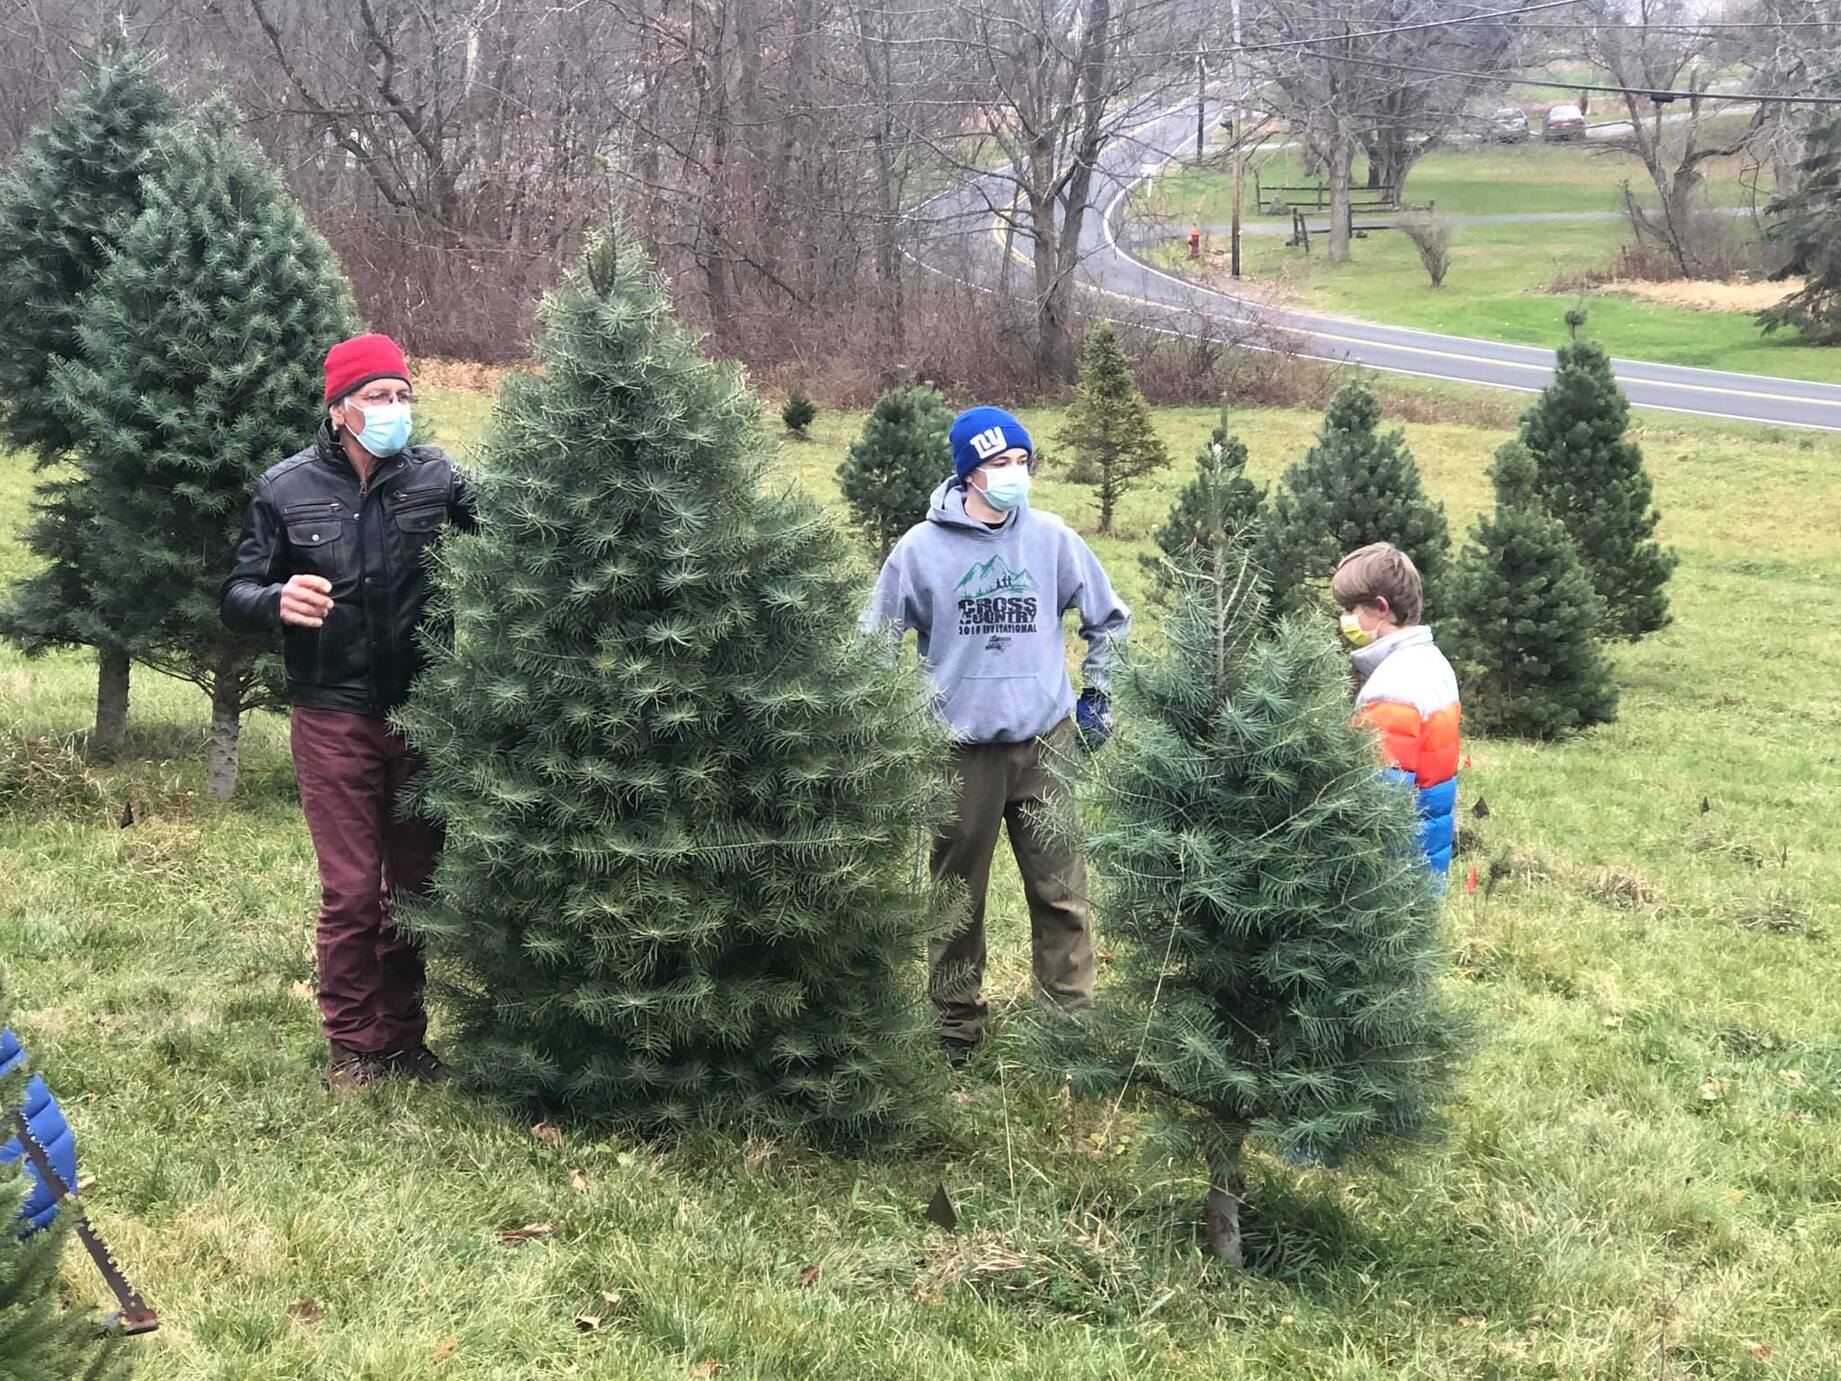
(681, 801)
(1276, 935)
(202, 345)
(64, 203)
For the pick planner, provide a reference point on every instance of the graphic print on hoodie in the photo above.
(985, 605)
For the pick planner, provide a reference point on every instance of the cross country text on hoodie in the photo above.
(985, 605)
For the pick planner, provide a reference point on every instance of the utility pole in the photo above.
(1201, 105)
(1239, 134)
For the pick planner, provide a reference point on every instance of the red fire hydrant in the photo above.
(1195, 242)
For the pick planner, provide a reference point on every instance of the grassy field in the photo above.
(1500, 287)
(1642, 1176)
(1505, 281)
(1492, 179)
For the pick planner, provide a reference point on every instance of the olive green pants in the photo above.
(1006, 784)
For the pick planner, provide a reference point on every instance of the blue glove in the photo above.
(1093, 719)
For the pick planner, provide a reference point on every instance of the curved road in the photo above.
(965, 246)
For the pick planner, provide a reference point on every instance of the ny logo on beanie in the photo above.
(988, 442)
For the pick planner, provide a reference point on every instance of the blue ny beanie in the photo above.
(980, 433)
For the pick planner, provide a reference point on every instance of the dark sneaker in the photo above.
(957, 1050)
(351, 1070)
(420, 1064)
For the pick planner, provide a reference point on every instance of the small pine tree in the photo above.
(798, 413)
(1108, 426)
(895, 465)
(39, 1339)
(1275, 930)
(1354, 486)
(1592, 479)
(202, 349)
(681, 800)
(1805, 225)
(65, 200)
(1527, 617)
(1219, 499)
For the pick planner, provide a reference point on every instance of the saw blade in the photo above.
(135, 1316)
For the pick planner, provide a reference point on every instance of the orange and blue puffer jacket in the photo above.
(1409, 693)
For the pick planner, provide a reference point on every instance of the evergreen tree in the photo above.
(1219, 499)
(201, 360)
(1592, 479)
(681, 795)
(40, 1340)
(1527, 617)
(1805, 225)
(1353, 487)
(1108, 425)
(798, 412)
(1274, 927)
(73, 189)
(893, 468)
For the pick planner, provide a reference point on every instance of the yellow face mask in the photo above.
(1353, 631)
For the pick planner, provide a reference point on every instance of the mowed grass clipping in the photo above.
(1642, 1176)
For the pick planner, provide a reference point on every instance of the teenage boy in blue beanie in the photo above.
(984, 583)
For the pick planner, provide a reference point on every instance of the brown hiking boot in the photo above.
(420, 1064)
(351, 1070)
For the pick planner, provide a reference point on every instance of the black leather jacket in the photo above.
(310, 516)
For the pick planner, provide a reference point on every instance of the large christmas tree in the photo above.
(1356, 485)
(681, 794)
(1108, 426)
(64, 202)
(201, 360)
(1526, 632)
(40, 1340)
(892, 469)
(1275, 930)
(1219, 499)
(1592, 479)
(1805, 226)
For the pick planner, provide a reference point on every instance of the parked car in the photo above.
(1508, 124)
(1563, 122)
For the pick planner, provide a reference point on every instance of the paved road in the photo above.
(962, 245)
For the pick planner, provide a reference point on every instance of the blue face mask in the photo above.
(386, 428)
(1009, 491)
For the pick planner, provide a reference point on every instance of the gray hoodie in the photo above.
(985, 605)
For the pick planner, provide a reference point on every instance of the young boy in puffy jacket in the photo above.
(1408, 690)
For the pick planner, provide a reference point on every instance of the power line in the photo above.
(1693, 28)
(1397, 29)
(1661, 96)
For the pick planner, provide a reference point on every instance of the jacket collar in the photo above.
(326, 444)
(1366, 659)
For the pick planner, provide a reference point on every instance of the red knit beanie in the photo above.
(353, 363)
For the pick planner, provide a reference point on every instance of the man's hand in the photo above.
(1093, 719)
(306, 600)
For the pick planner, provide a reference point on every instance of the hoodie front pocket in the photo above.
(986, 708)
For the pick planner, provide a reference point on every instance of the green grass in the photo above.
(1502, 279)
(1642, 1175)
(1500, 287)
(1492, 179)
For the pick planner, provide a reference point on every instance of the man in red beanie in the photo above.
(332, 555)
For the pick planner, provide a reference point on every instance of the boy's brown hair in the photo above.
(1380, 570)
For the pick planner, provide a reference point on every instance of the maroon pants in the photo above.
(351, 770)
